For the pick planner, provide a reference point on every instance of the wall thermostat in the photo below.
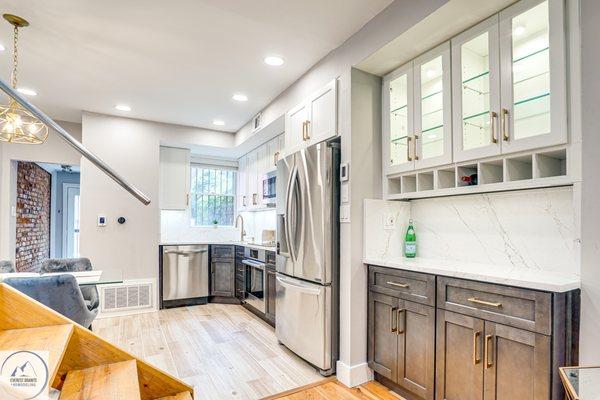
(344, 172)
(121, 220)
(101, 220)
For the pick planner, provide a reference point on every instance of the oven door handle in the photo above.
(254, 264)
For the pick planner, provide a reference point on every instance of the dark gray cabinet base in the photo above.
(470, 340)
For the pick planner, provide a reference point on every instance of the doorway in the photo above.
(70, 220)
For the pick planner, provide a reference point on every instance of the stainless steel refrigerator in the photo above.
(308, 254)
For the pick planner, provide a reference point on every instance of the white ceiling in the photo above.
(177, 61)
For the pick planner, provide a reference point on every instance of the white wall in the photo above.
(590, 206)
(131, 147)
(54, 150)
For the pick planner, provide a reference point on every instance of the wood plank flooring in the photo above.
(331, 389)
(224, 351)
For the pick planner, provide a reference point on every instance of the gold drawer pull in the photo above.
(476, 355)
(402, 285)
(487, 351)
(393, 327)
(401, 317)
(485, 303)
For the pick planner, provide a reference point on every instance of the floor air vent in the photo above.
(126, 297)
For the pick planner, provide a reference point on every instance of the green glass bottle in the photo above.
(410, 241)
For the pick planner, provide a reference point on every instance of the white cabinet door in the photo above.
(398, 121)
(263, 160)
(273, 154)
(242, 189)
(295, 127)
(476, 92)
(322, 118)
(433, 108)
(174, 178)
(533, 82)
(252, 174)
(281, 147)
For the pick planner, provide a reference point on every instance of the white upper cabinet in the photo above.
(398, 120)
(322, 112)
(432, 143)
(242, 187)
(476, 92)
(533, 80)
(252, 179)
(313, 120)
(174, 178)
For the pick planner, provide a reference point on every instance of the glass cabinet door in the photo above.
(476, 91)
(433, 142)
(532, 55)
(398, 149)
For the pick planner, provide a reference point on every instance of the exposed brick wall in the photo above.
(33, 216)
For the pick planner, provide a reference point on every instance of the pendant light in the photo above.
(18, 125)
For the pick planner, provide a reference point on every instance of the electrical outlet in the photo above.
(389, 221)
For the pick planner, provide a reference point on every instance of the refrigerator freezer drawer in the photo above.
(304, 319)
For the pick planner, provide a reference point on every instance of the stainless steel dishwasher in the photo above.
(184, 273)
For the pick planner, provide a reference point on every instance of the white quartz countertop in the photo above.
(503, 275)
(223, 242)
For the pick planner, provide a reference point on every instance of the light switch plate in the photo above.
(101, 220)
(345, 193)
(345, 214)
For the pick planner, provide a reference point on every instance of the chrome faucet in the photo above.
(242, 231)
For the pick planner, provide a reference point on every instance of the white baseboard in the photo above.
(353, 375)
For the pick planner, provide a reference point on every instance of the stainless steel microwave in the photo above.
(268, 188)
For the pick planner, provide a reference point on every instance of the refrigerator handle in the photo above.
(297, 286)
(284, 246)
(290, 218)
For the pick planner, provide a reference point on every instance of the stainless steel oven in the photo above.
(255, 262)
(269, 188)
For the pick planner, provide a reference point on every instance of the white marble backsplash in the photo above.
(531, 229)
(175, 227)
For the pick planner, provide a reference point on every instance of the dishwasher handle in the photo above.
(185, 253)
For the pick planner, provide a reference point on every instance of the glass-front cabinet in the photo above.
(476, 91)
(533, 80)
(398, 120)
(432, 143)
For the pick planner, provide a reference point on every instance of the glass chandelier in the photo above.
(18, 125)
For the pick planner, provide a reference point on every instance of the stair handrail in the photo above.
(78, 146)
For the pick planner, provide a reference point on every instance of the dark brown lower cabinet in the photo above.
(402, 343)
(479, 359)
(222, 277)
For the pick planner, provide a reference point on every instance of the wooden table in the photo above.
(581, 383)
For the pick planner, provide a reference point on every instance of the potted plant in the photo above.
(215, 223)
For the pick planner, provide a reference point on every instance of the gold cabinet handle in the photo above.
(476, 354)
(487, 351)
(254, 196)
(485, 303)
(408, 156)
(244, 201)
(415, 155)
(307, 130)
(493, 121)
(402, 285)
(275, 158)
(505, 135)
(304, 130)
(401, 314)
(394, 327)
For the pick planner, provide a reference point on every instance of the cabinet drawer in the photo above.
(408, 285)
(521, 308)
(220, 251)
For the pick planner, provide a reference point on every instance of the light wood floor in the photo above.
(224, 351)
(331, 389)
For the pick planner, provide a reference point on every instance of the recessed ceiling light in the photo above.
(274, 61)
(218, 122)
(519, 30)
(240, 97)
(123, 107)
(2, 48)
(27, 92)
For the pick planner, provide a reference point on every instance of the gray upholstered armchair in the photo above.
(90, 293)
(59, 292)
